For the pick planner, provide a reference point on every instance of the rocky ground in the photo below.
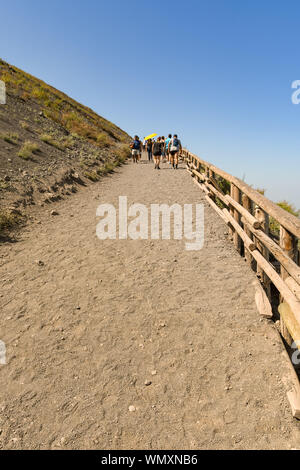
(51, 173)
(135, 344)
(49, 145)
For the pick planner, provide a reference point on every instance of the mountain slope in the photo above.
(49, 144)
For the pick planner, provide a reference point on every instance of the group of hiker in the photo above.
(161, 149)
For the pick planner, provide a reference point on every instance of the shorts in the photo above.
(157, 154)
(173, 152)
(135, 152)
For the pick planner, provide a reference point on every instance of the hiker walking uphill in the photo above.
(160, 150)
(136, 149)
(149, 149)
(175, 147)
(157, 151)
(167, 150)
(163, 152)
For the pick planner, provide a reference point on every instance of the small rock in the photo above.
(131, 408)
(41, 263)
(148, 382)
(154, 372)
(6, 178)
(78, 308)
(54, 213)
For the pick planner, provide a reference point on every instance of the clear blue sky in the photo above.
(217, 72)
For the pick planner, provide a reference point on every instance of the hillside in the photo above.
(49, 145)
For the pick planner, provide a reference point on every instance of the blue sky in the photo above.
(217, 72)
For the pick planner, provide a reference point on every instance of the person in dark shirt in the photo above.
(157, 151)
(136, 149)
(149, 149)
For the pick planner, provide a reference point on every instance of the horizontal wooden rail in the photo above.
(275, 258)
(247, 214)
(287, 220)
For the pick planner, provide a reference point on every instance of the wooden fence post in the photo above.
(247, 204)
(263, 218)
(199, 169)
(211, 174)
(289, 245)
(235, 193)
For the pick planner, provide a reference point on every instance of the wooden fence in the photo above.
(265, 234)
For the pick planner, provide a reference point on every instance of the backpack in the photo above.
(156, 148)
(135, 145)
(174, 145)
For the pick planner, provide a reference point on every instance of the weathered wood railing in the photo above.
(274, 256)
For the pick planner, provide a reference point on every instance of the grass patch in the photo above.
(53, 115)
(25, 125)
(103, 140)
(68, 142)
(3, 185)
(109, 168)
(48, 139)
(8, 220)
(91, 175)
(41, 95)
(10, 137)
(123, 153)
(27, 150)
(274, 225)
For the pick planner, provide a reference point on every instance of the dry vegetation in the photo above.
(49, 144)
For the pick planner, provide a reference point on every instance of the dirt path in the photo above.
(72, 374)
